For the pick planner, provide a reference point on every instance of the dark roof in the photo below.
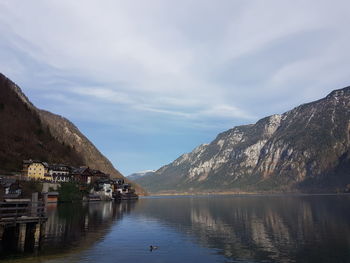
(30, 161)
(118, 181)
(59, 167)
(79, 170)
(82, 171)
(103, 181)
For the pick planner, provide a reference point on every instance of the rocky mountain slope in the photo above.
(138, 175)
(23, 135)
(305, 149)
(28, 132)
(65, 131)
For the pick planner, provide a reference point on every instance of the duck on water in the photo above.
(151, 248)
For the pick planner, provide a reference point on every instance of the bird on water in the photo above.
(151, 248)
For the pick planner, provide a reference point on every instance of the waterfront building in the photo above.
(86, 175)
(52, 197)
(60, 173)
(10, 188)
(122, 190)
(103, 188)
(34, 169)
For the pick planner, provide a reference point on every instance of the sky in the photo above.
(147, 81)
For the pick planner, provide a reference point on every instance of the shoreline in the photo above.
(242, 194)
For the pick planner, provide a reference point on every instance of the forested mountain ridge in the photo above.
(28, 132)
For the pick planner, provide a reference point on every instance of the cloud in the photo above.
(174, 65)
(104, 94)
(189, 109)
(174, 54)
(226, 111)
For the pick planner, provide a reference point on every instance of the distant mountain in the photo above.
(305, 149)
(28, 132)
(66, 132)
(138, 175)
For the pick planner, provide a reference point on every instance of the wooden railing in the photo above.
(16, 209)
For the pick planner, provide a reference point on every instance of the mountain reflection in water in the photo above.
(75, 224)
(199, 229)
(70, 228)
(261, 228)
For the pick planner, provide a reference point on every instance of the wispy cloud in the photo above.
(104, 94)
(174, 66)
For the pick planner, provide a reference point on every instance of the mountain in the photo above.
(138, 175)
(66, 132)
(28, 132)
(305, 149)
(23, 135)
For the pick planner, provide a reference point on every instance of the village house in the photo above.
(60, 173)
(122, 190)
(37, 170)
(86, 175)
(103, 188)
(9, 188)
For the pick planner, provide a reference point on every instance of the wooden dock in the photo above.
(22, 221)
(21, 210)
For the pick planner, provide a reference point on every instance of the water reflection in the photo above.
(202, 229)
(70, 228)
(276, 229)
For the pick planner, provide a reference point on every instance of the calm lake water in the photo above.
(196, 229)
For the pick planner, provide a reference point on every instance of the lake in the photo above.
(309, 228)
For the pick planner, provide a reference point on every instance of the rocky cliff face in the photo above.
(306, 148)
(66, 132)
(27, 132)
